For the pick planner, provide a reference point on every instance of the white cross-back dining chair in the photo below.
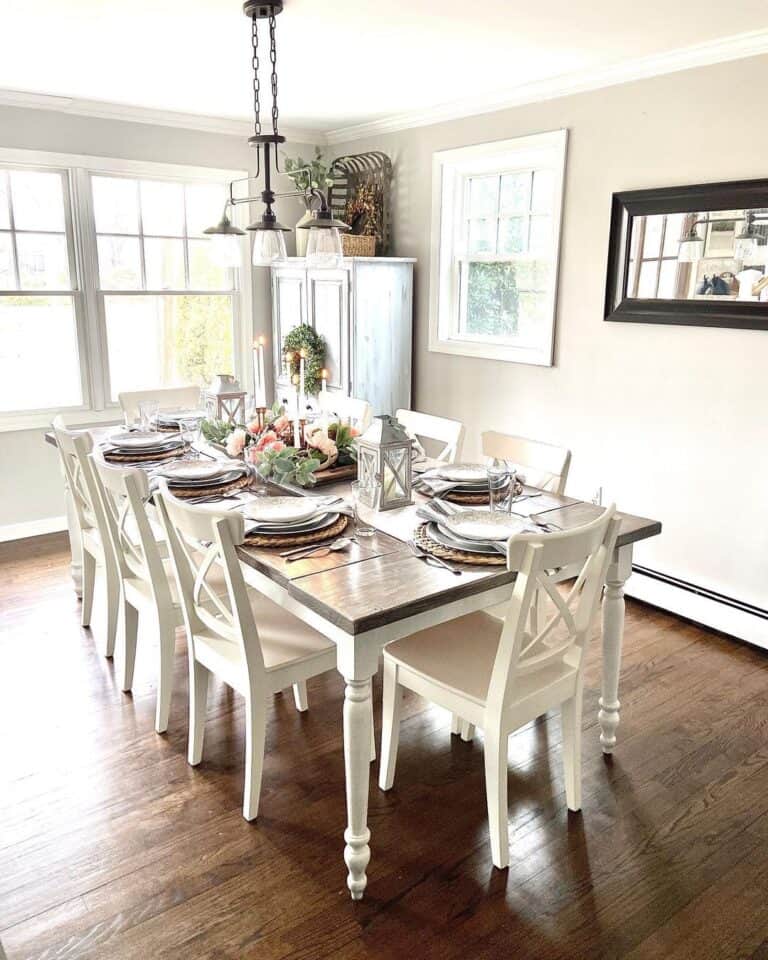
(186, 397)
(544, 465)
(425, 426)
(501, 674)
(149, 588)
(242, 637)
(74, 448)
(358, 412)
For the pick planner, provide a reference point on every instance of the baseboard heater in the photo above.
(740, 619)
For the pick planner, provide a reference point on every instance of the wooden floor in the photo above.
(111, 846)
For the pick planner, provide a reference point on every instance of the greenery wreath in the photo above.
(305, 338)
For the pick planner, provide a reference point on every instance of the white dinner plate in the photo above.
(463, 473)
(227, 477)
(192, 469)
(484, 525)
(319, 522)
(171, 416)
(441, 535)
(282, 509)
(139, 440)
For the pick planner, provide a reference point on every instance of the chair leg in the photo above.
(255, 733)
(373, 735)
(495, 757)
(455, 724)
(300, 696)
(390, 725)
(129, 625)
(199, 677)
(467, 731)
(89, 582)
(571, 721)
(114, 599)
(165, 675)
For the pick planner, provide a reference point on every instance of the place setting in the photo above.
(142, 447)
(463, 483)
(313, 524)
(203, 480)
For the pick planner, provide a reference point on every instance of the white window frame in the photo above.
(451, 170)
(91, 325)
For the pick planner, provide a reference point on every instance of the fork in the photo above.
(430, 558)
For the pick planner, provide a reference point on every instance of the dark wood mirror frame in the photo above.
(735, 195)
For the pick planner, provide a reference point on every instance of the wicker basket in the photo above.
(355, 245)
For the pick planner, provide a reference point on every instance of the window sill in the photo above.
(17, 423)
(492, 351)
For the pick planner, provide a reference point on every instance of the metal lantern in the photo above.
(384, 454)
(224, 400)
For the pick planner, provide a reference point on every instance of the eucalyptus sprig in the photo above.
(307, 174)
(287, 466)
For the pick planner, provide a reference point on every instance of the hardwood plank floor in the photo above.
(111, 846)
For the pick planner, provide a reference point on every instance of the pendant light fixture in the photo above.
(749, 244)
(324, 248)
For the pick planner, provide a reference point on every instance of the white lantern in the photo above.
(225, 400)
(384, 454)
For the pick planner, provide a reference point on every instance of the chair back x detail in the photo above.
(186, 397)
(425, 426)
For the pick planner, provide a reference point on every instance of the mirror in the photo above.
(690, 255)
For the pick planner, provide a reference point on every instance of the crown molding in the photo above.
(722, 50)
(107, 110)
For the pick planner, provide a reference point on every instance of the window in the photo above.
(654, 248)
(108, 283)
(496, 220)
(168, 306)
(39, 298)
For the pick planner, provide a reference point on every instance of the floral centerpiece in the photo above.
(269, 447)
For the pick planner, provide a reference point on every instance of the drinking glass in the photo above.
(148, 411)
(365, 499)
(498, 485)
(189, 430)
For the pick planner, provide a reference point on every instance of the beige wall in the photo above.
(30, 489)
(671, 421)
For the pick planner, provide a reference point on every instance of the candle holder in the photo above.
(259, 414)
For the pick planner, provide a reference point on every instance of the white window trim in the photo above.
(447, 204)
(96, 406)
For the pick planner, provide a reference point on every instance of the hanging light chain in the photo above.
(273, 60)
(256, 84)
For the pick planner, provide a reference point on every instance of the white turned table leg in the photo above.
(75, 540)
(613, 636)
(357, 763)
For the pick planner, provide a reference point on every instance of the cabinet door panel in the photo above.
(381, 372)
(329, 309)
(289, 310)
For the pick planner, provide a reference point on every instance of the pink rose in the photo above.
(280, 424)
(266, 438)
(254, 429)
(354, 432)
(276, 446)
(236, 442)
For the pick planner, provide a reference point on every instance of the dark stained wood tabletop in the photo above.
(377, 580)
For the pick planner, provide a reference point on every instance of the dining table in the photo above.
(376, 591)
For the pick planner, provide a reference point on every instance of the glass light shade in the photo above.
(690, 250)
(226, 250)
(268, 247)
(324, 247)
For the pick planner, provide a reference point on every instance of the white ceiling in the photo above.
(342, 62)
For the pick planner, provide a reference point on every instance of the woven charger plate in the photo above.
(143, 457)
(462, 556)
(184, 493)
(298, 539)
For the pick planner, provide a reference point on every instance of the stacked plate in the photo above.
(286, 516)
(466, 477)
(137, 446)
(170, 418)
(197, 478)
(476, 531)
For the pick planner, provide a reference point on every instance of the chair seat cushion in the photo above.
(459, 655)
(285, 640)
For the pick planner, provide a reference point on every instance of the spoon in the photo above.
(322, 551)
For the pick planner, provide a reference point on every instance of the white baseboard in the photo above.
(32, 528)
(721, 614)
